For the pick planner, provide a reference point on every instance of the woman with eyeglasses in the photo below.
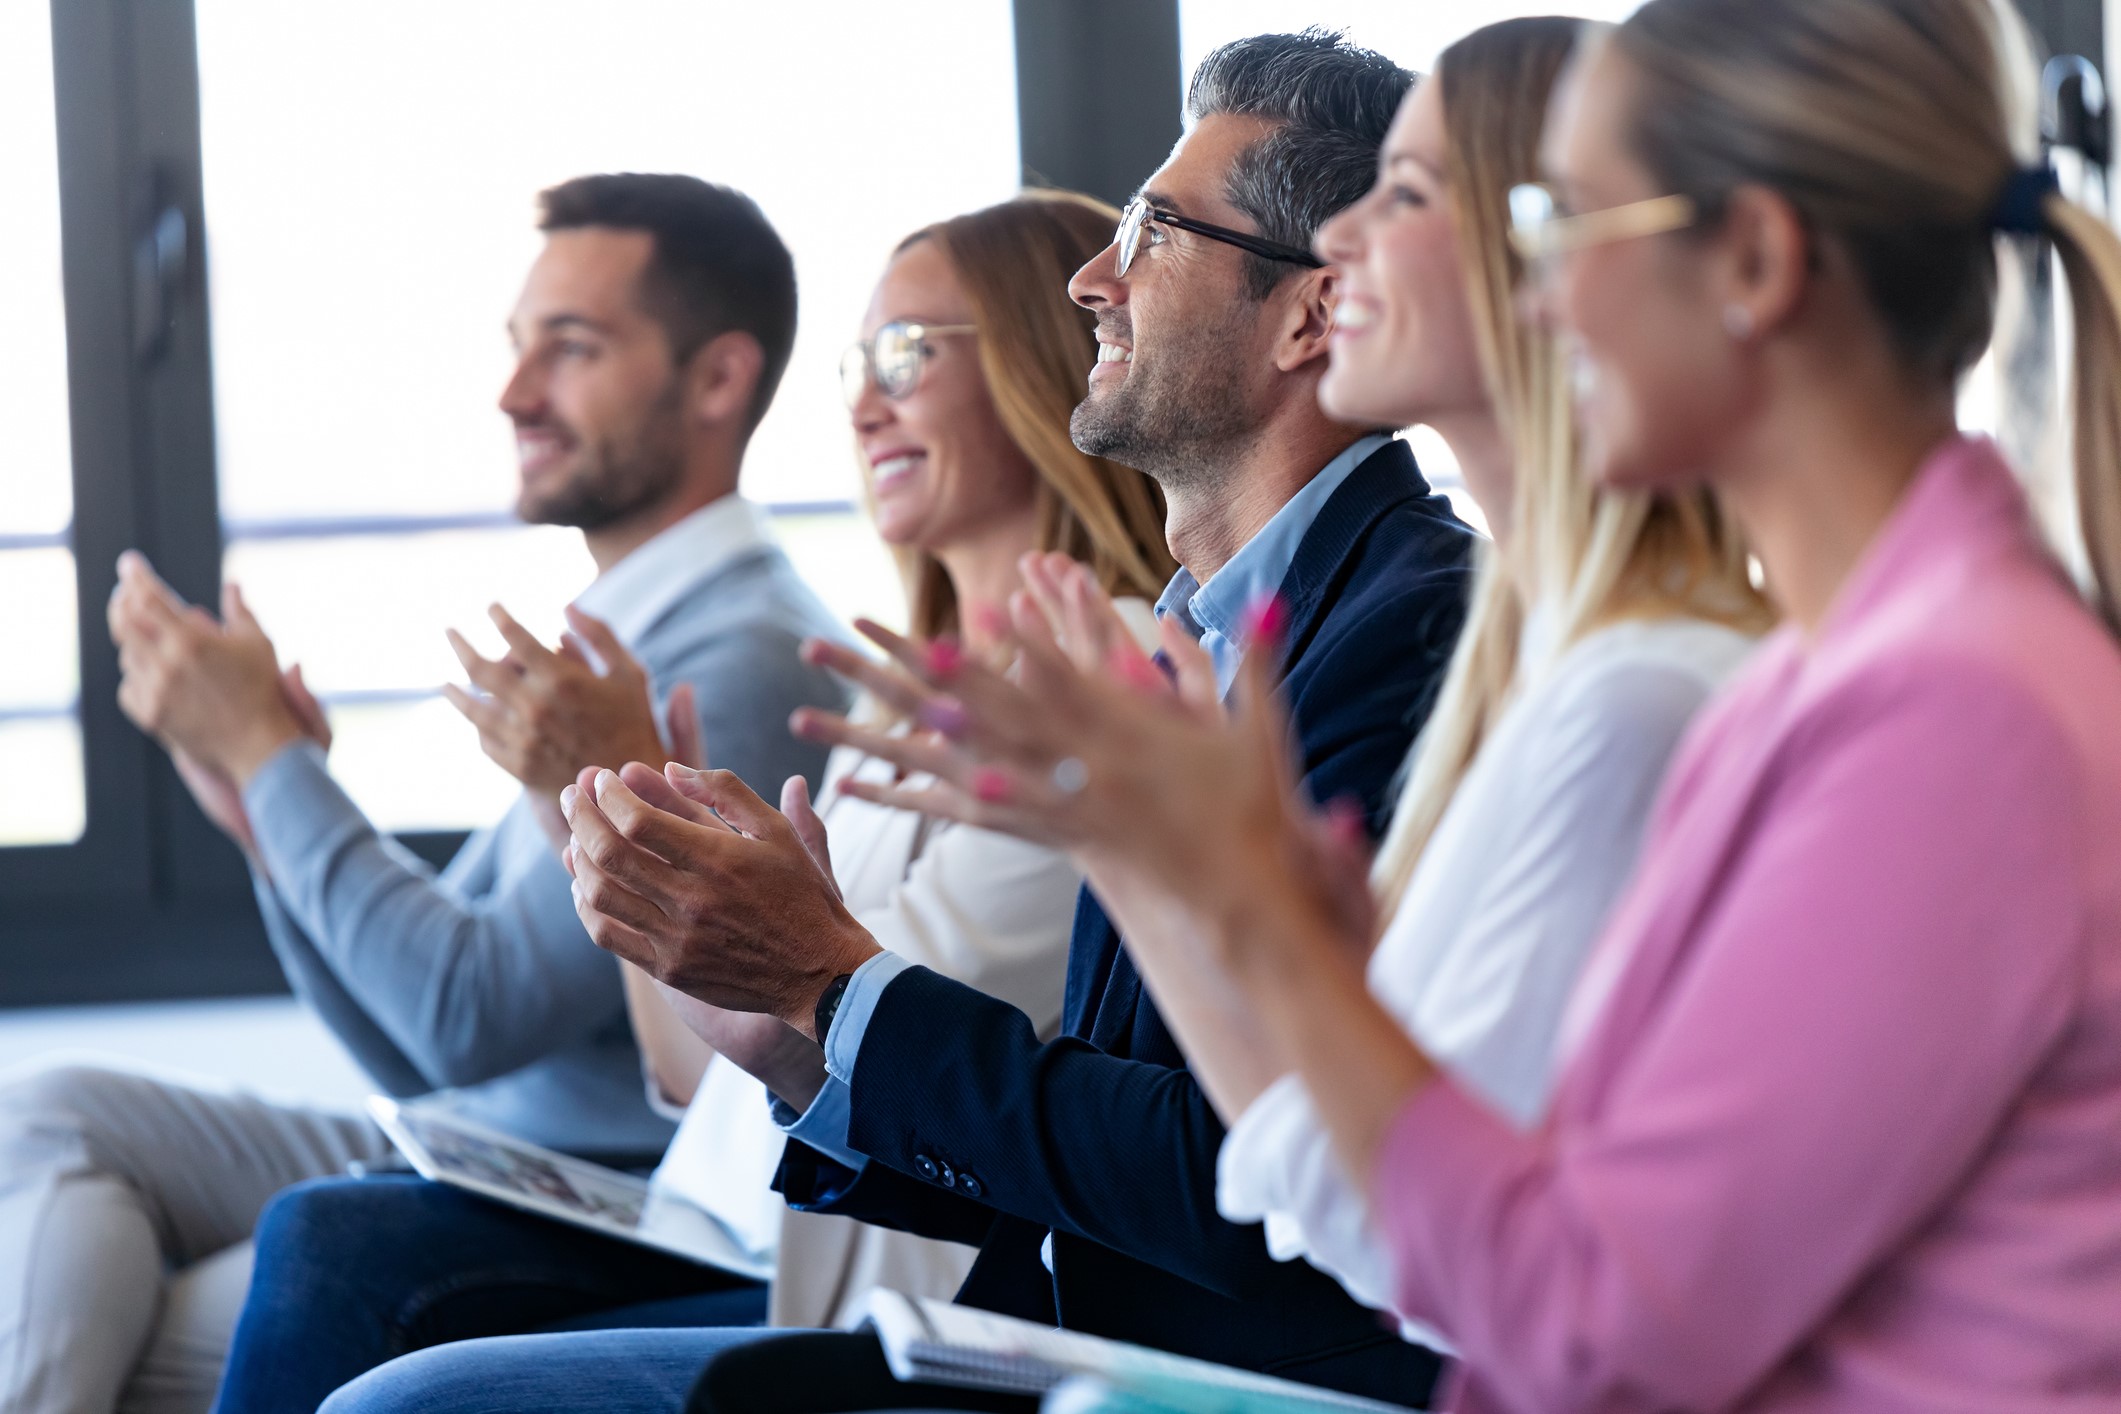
(959, 392)
(1839, 1121)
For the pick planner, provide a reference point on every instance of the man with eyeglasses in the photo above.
(1088, 1164)
(1085, 1168)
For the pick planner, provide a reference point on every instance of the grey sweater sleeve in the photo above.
(320, 989)
(470, 975)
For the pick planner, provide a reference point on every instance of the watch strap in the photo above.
(828, 1005)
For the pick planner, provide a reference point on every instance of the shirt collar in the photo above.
(1213, 612)
(639, 589)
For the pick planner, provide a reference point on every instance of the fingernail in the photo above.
(606, 779)
(946, 715)
(1344, 817)
(568, 796)
(1138, 672)
(945, 657)
(1265, 619)
(991, 785)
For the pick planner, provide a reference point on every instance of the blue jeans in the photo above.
(352, 1273)
(578, 1372)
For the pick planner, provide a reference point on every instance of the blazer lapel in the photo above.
(1385, 479)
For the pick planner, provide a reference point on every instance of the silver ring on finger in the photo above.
(1070, 775)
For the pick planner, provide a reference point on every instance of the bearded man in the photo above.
(650, 336)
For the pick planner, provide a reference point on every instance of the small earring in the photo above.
(1738, 322)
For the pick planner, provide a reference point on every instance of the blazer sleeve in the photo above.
(1894, 947)
(1119, 1151)
(875, 1194)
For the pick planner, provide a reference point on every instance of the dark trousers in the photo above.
(352, 1273)
(827, 1372)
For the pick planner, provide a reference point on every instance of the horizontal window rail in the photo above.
(333, 527)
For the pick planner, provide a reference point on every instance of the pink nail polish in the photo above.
(946, 715)
(991, 785)
(991, 620)
(1137, 672)
(945, 657)
(1344, 820)
(1265, 620)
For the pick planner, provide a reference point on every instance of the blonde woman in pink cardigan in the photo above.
(1839, 1123)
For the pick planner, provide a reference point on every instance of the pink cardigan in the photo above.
(1845, 1134)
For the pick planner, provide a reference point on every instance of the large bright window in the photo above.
(42, 800)
(370, 174)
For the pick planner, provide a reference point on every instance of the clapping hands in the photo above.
(1088, 744)
(211, 691)
(706, 888)
(545, 714)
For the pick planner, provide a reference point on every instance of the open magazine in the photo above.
(938, 1343)
(566, 1189)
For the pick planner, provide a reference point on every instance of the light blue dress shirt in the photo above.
(1215, 613)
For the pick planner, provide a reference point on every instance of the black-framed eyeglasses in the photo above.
(892, 358)
(1140, 213)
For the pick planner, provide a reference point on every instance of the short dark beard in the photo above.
(620, 474)
(1177, 417)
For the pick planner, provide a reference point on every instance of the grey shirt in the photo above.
(479, 980)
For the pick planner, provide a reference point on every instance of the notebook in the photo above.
(938, 1343)
(449, 1150)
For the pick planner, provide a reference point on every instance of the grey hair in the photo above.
(1332, 102)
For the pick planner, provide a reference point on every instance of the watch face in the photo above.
(828, 1005)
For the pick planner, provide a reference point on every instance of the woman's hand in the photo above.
(1089, 746)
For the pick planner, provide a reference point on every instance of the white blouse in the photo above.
(1480, 958)
(982, 908)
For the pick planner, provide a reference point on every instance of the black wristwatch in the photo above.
(828, 1005)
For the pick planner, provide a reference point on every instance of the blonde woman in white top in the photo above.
(971, 359)
(1602, 622)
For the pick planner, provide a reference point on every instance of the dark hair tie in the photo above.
(2021, 207)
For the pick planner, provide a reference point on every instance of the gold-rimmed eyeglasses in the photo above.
(1541, 229)
(892, 358)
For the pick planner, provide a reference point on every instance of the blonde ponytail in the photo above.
(2090, 254)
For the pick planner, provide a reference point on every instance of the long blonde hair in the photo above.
(1014, 261)
(1894, 127)
(1583, 555)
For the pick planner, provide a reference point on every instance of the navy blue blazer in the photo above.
(980, 1134)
